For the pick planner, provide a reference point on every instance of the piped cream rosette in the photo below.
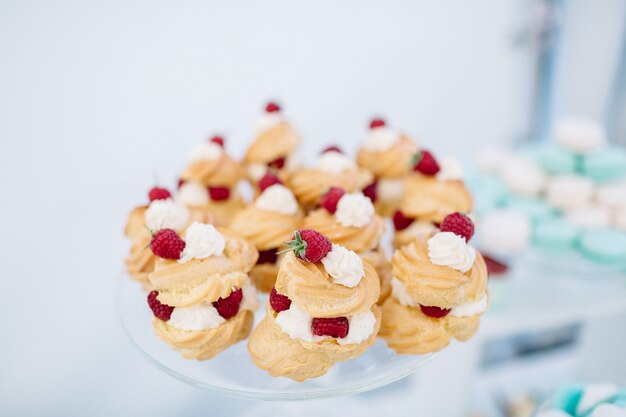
(332, 169)
(439, 292)
(341, 288)
(387, 154)
(208, 291)
(274, 146)
(430, 198)
(268, 223)
(355, 225)
(220, 206)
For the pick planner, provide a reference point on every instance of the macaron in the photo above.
(612, 195)
(605, 165)
(536, 209)
(593, 216)
(567, 398)
(595, 394)
(569, 191)
(524, 176)
(605, 246)
(556, 160)
(579, 135)
(504, 232)
(555, 235)
(488, 192)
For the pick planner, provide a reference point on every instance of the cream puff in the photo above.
(350, 220)
(439, 290)
(332, 169)
(202, 300)
(268, 223)
(387, 154)
(322, 311)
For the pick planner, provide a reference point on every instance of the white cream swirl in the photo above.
(354, 210)
(250, 299)
(398, 290)
(277, 198)
(390, 189)
(267, 121)
(207, 151)
(450, 170)
(196, 317)
(360, 327)
(471, 309)
(166, 214)
(257, 171)
(201, 241)
(448, 249)
(344, 266)
(334, 163)
(193, 194)
(381, 139)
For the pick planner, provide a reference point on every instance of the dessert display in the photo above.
(590, 400)
(349, 220)
(439, 290)
(387, 154)
(267, 223)
(322, 310)
(571, 192)
(332, 169)
(432, 191)
(202, 299)
(274, 147)
(209, 183)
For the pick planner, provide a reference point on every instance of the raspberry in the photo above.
(278, 301)
(310, 245)
(272, 107)
(330, 200)
(277, 163)
(400, 221)
(459, 224)
(181, 182)
(229, 307)
(218, 140)
(377, 123)
(167, 244)
(268, 180)
(370, 192)
(159, 193)
(434, 312)
(219, 193)
(334, 327)
(267, 257)
(495, 267)
(160, 310)
(425, 162)
(332, 148)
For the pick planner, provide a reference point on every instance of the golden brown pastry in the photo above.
(202, 300)
(211, 166)
(387, 154)
(268, 223)
(218, 203)
(439, 290)
(351, 221)
(322, 310)
(332, 169)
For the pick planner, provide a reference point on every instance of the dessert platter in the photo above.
(295, 294)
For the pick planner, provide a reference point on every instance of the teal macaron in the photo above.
(608, 164)
(567, 398)
(605, 246)
(536, 209)
(555, 235)
(555, 159)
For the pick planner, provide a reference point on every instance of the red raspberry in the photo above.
(267, 257)
(277, 163)
(278, 301)
(370, 192)
(159, 193)
(310, 245)
(229, 307)
(459, 224)
(434, 312)
(332, 148)
(161, 311)
(167, 244)
(400, 221)
(181, 182)
(495, 267)
(330, 200)
(377, 123)
(218, 140)
(268, 180)
(219, 193)
(333, 327)
(425, 162)
(272, 107)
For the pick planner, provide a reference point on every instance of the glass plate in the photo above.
(233, 373)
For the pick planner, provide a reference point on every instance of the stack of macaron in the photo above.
(561, 196)
(591, 400)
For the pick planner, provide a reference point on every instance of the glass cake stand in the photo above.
(233, 373)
